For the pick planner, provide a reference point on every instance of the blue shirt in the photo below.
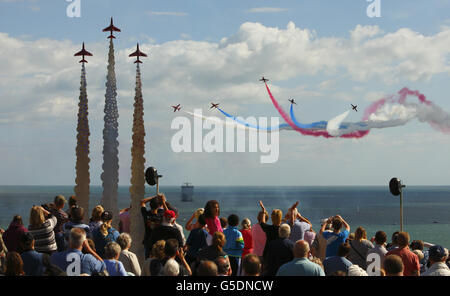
(115, 268)
(88, 263)
(300, 267)
(32, 263)
(334, 240)
(336, 263)
(235, 241)
(101, 241)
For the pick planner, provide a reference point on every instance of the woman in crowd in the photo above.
(14, 264)
(246, 231)
(41, 227)
(359, 247)
(12, 235)
(113, 265)
(96, 218)
(212, 212)
(129, 259)
(105, 233)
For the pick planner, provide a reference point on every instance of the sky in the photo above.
(325, 54)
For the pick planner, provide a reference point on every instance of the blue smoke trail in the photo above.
(242, 122)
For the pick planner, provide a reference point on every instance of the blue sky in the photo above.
(209, 42)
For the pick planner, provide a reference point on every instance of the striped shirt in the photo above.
(44, 236)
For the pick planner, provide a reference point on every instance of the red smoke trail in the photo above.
(325, 134)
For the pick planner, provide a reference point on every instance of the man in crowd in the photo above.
(437, 257)
(251, 265)
(73, 261)
(336, 237)
(393, 265)
(32, 261)
(61, 218)
(279, 251)
(339, 262)
(410, 260)
(300, 266)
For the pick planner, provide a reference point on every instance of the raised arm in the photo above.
(189, 225)
(163, 198)
(263, 218)
(324, 225)
(346, 225)
(146, 200)
(303, 219)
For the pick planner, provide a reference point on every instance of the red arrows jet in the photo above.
(264, 79)
(83, 53)
(214, 106)
(138, 54)
(354, 107)
(176, 108)
(292, 101)
(111, 29)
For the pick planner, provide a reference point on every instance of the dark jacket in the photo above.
(12, 236)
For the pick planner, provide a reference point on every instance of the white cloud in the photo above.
(266, 10)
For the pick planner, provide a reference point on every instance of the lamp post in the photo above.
(396, 186)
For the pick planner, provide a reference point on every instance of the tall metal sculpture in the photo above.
(82, 179)
(137, 188)
(110, 175)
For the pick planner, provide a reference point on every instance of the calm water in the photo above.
(374, 208)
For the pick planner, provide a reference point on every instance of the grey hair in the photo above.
(124, 240)
(246, 223)
(171, 268)
(284, 231)
(112, 250)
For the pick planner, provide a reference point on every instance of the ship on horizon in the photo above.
(187, 192)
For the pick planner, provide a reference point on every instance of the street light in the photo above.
(152, 178)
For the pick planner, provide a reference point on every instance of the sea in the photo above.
(426, 209)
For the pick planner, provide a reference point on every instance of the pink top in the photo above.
(259, 239)
(248, 242)
(213, 225)
(309, 237)
(125, 219)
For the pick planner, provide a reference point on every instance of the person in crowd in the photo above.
(14, 264)
(72, 202)
(207, 268)
(197, 239)
(12, 235)
(175, 224)
(3, 252)
(379, 248)
(124, 220)
(319, 245)
(166, 230)
(113, 265)
(32, 261)
(410, 260)
(251, 265)
(393, 244)
(223, 222)
(336, 237)
(105, 233)
(338, 262)
(271, 231)
(317, 261)
(153, 264)
(423, 260)
(310, 236)
(279, 251)
(173, 251)
(223, 266)
(212, 212)
(359, 247)
(76, 221)
(355, 270)
(300, 265)
(393, 265)
(246, 231)
(234, 244)
(215, 250)
(190, 225)
(152, 218)
(89, 263)
(259, 236)
(42, 223)
(171, 268)
(437, 257)
(96, 218)
(129, 259)
(299, 225)
(62, 218)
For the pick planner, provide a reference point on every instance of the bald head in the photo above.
(301, 249)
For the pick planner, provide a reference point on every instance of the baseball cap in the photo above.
(437, 252)
(169, 214)
(107, 216)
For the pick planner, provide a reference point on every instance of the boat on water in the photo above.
(187, 192)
